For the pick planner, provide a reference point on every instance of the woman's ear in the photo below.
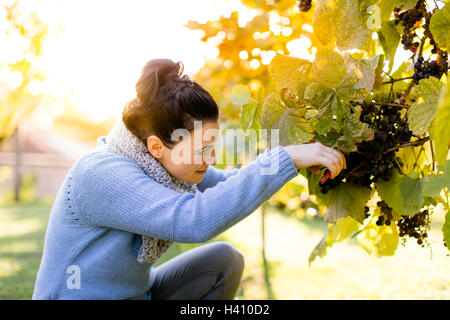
(155, 146)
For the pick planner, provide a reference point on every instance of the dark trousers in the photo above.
(212, 272)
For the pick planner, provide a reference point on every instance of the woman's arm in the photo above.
(213, 176)
(118, 194)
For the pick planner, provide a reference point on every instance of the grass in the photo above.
(22, 232)
(347, 272)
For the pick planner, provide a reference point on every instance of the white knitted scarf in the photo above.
(122, 141)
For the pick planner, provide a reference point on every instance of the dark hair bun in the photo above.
(166, 101)
(155, 74)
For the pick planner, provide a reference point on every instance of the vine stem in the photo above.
(384, 104)
(432, 154)
(417, 158)
(408, 90)
(413, 83)
(446, 196)
(412, 143)
(396, 80)
(422, 42)
(266, 267)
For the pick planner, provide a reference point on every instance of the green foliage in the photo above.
(433, 184)
(251, 110)
(343, 22)
(290, 72)
(284, 112)
(446, 230)
(337, 231)
(439, 25)
(381, 241)
(347, 200)
(240, 95)
(402, 193)
(422, 112)
(389, 39)
(329, 68)
(440, 131)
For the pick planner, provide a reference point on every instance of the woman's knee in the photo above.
(230, 255)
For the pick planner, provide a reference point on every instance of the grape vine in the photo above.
(389, 125)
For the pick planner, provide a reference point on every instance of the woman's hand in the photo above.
(312, 155)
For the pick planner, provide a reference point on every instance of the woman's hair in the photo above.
(165, 100)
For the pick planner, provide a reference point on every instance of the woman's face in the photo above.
(189, 158)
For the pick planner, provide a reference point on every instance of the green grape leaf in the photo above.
(335, 116)
(293, 129)
(386, 8)
(320, 250)
(346, 200)
(433, 184)
(407, 156)
(389, 38)
(338, 231)
(326, 20)
(329, 139)
(354, 132)
(272, 110)
(330, 116)
(343, 21)
(342, 229)
(329, 68)
(440, 129)
(406, 4)
(446, 229)
(402, 193)
(290, 72)
(411, 192)
(379, 240)
(250, 115)
(439, 26)
(240, 95)
(317, 94)
(324, 122)
(422, 112)
(362, 71)
(293, 102)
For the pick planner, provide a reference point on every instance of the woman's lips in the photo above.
(201, 171)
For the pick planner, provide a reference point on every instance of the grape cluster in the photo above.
(410, 19)
(374, 158)
(386, 214)
(390, 131)
(366, 212)
(425, 69)
(304, 5)
(415, 226)
(331, 183)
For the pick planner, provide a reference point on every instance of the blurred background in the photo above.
(68, 67)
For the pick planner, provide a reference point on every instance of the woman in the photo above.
(124, 203)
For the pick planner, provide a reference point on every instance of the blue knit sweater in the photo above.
(107, 202)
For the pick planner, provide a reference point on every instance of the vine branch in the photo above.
(412, 143)
(396, 80)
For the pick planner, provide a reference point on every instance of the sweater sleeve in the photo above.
(118, 194)
(215, 175)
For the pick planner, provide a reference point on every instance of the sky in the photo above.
(97, 58)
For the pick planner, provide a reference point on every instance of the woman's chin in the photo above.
(194, 178)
